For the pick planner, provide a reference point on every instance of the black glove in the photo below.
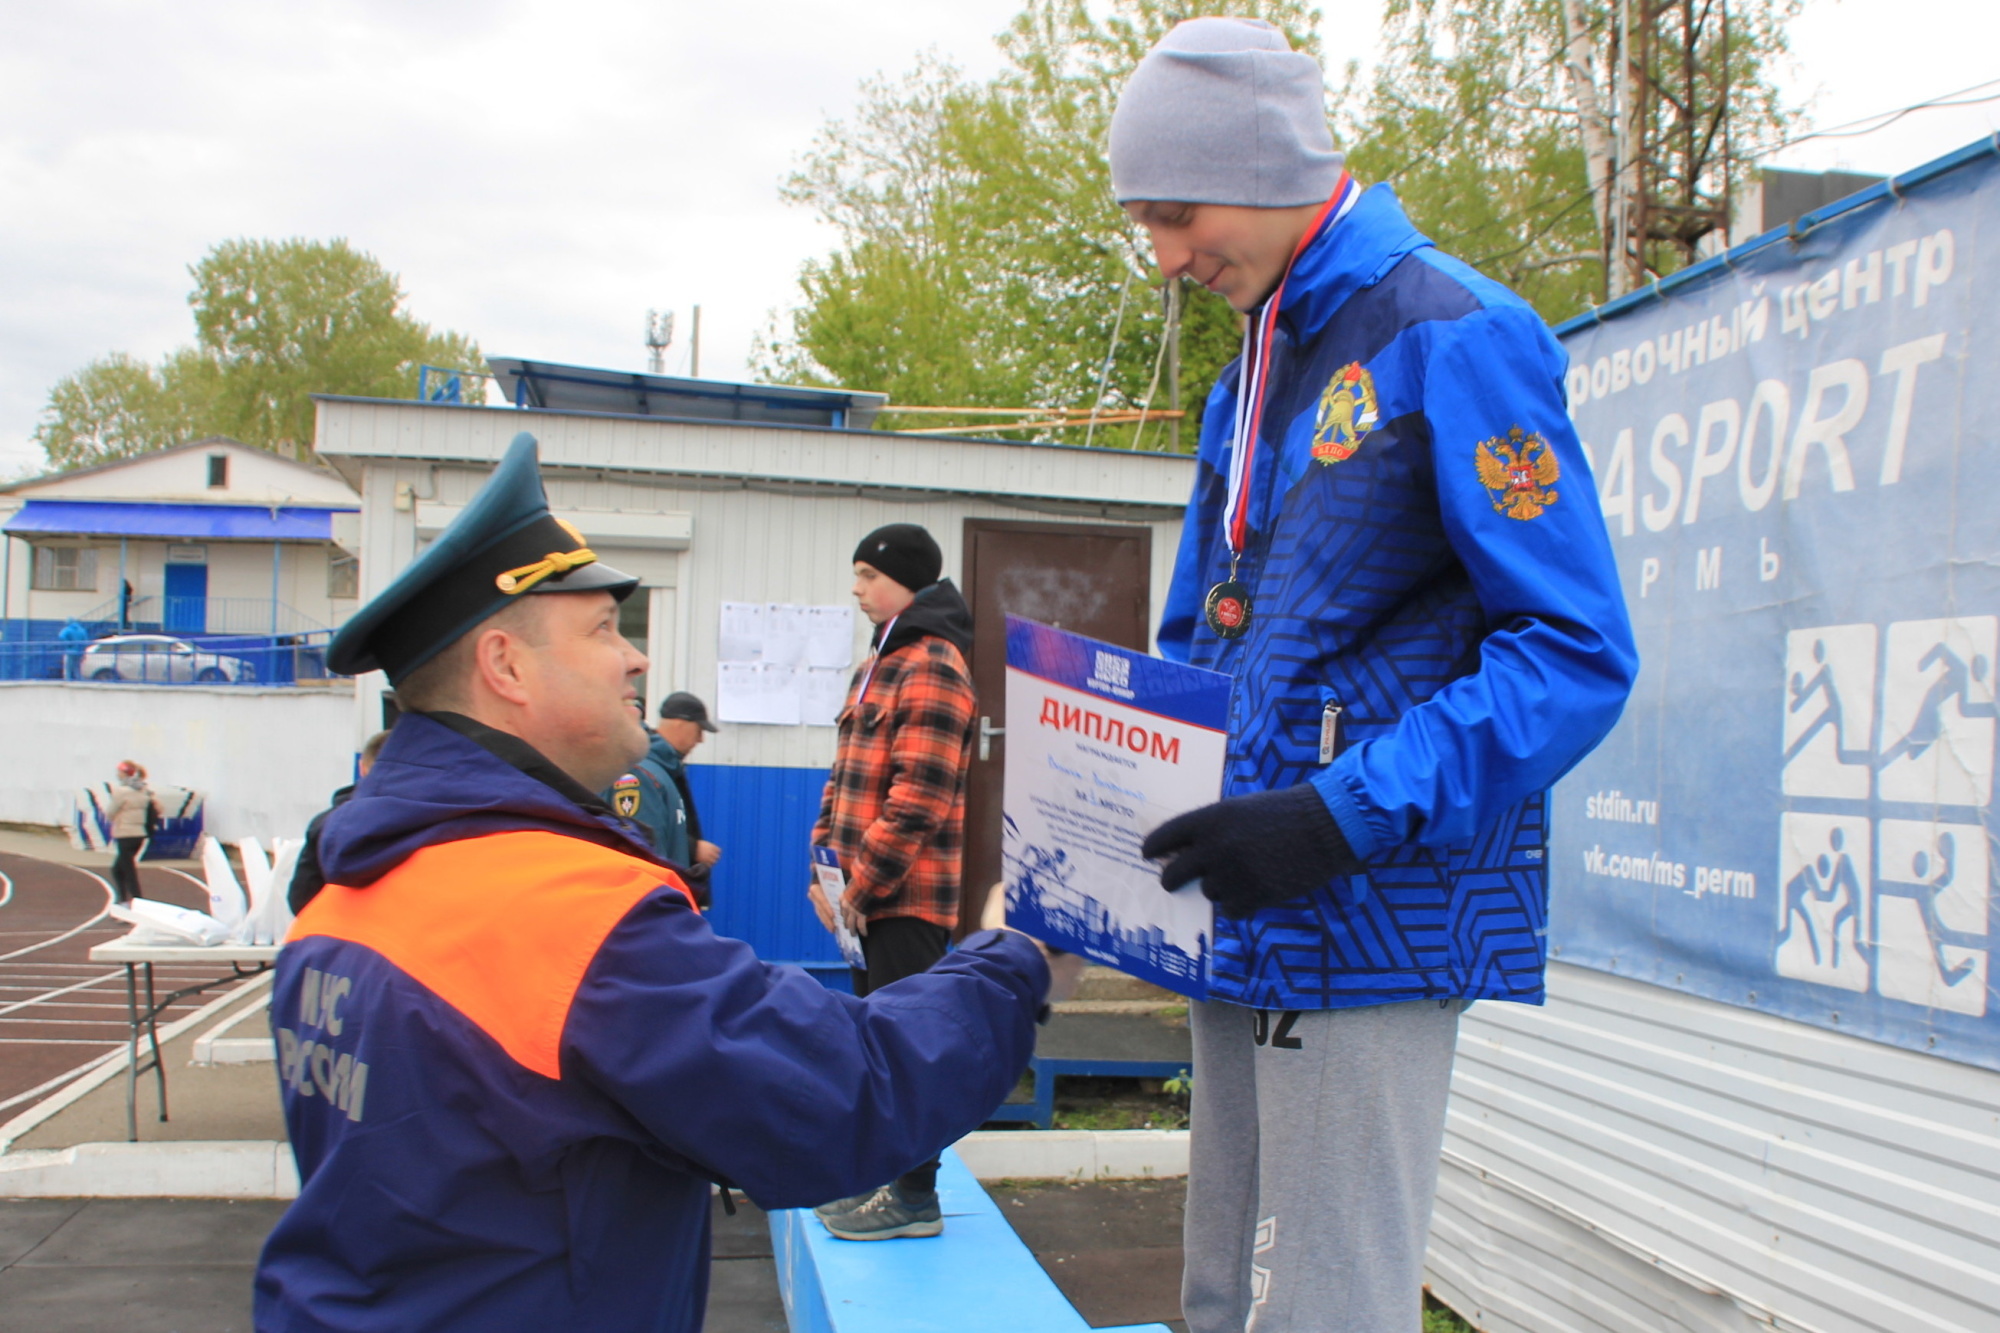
(1252, 852)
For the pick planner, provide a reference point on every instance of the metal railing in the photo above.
(28, 651)
(155, 614)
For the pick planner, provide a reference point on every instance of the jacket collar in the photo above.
(1356, 252)
(442, 777)
(663, 753)
(514, 750)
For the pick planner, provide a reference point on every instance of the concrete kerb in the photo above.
(1075, 1154)
(261, 1170)
(245, 1170)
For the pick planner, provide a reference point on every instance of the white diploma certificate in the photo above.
(1103, 745)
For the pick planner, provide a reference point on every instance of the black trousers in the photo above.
(125, 870)
(898, 947)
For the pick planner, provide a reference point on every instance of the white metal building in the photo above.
(733, 510)
(212, 537)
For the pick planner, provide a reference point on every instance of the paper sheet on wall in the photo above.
(802, 653)
(742, 637)
(830, 636)
(757, 692)
(784, 634)
(821, 695)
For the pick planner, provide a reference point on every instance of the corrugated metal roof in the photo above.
(1766, 1173)
(562, 388)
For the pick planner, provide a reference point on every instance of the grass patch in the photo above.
(1441, 1318)
(1117, 1103)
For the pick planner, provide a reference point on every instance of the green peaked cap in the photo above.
(506, 544)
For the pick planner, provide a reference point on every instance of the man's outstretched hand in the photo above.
(1252, 852)
(1065, 969)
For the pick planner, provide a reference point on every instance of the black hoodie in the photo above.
(938, 610)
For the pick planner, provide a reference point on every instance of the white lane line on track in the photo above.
(61, 1079)
(46, 996)
(102, 913)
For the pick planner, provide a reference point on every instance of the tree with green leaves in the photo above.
(982, 261)
(275, 323)
(1498, 123)
(119, 406)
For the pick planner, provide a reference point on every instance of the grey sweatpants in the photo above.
(1315, 1158)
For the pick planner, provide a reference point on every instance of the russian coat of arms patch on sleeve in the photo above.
(1517, 469)
(1347, 412)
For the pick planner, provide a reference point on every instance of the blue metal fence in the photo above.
(762, 818)
(141, 654)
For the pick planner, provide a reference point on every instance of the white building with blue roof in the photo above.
(209, 537)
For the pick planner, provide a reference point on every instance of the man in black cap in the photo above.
(655, 792)
(894, 810)
(512, 1055)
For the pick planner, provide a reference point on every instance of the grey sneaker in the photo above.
(847, 1204)
(887, 1214)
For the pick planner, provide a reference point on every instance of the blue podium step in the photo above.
(976, 1278)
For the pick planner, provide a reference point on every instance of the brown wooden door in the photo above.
(1092, 579)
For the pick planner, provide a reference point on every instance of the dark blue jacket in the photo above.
(513, 1058)
(1427, 553)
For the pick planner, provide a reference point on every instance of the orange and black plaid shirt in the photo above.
(894, 807)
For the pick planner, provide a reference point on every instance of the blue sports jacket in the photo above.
(513, 1057)
(1427, 553)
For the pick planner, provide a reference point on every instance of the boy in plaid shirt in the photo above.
(894, 809)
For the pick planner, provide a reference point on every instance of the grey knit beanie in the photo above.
(1223, 111)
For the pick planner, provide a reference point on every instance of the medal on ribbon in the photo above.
(1228, 606)
(1228, 609)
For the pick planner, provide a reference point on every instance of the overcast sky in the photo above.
(540, 173)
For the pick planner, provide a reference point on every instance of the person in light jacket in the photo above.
(132, 802)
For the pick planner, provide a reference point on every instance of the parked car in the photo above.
(160, 658)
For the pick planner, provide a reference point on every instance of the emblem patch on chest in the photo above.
(625, 796)
(1517, 469)
(1347, 412)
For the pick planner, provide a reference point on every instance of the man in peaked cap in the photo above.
(1394, 548)
(513, 1056)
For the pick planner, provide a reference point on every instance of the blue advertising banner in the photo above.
(1796, 456)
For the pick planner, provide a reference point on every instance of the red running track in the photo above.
(60, 1013)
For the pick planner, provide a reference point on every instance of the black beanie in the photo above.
(905, 552)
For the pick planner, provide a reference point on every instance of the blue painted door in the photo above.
(186, 610)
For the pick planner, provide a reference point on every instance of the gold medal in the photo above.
(1228, 609)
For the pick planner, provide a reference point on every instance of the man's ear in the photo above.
(500, 664)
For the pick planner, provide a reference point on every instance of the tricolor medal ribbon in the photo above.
(1228, 604)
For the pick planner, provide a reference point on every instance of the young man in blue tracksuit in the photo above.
(1394, 546)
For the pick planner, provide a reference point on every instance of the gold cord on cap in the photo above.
(554, 563)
